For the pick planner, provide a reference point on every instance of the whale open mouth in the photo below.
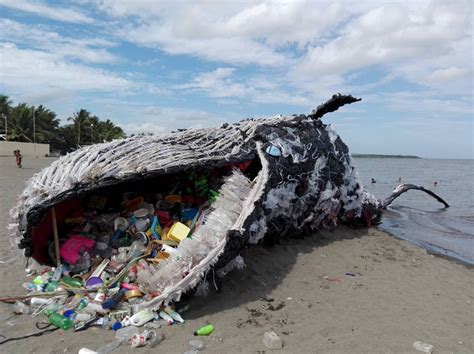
(221, 208)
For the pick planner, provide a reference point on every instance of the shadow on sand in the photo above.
(265, 268)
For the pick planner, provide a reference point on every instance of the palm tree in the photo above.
(5, 111)
(80, 120)
(46, 123)
(20, 123)
(109, 131)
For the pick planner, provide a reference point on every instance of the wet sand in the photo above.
(399, 294)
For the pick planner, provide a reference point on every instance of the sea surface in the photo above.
(416, 216)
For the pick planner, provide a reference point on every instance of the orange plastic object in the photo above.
(173, 198)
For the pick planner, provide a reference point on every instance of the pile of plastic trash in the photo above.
(109, 254)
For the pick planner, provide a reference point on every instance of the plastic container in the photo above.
(142, 317)
(272, 341)
(125, 333)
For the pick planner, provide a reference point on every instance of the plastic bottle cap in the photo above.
(116, 326)
(68, 313)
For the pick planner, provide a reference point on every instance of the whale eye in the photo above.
(273, 151)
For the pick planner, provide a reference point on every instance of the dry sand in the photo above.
(399, 294)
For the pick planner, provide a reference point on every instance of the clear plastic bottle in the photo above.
(136, 249)
(107, 348)
(144, 274)
(125, 333)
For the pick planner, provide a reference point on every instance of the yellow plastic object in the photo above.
(178, 232)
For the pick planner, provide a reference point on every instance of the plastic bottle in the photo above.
(126, 333)
(59, 320)
(82, 304)
(104, 322)
(100, 296)
(174, 315)
(84, 325)
(136, 249)
(39, 301)
(57, 273)
(29, 286)
(183, 308)
(204, 331)
(72, 282)
(166, 317)
(52, 286)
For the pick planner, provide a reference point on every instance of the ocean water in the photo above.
(416, 216)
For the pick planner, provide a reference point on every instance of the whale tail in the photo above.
(402, 188)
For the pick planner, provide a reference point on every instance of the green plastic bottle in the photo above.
(72, 282)
(59, 320)
(204, 331)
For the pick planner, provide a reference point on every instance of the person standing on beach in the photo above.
(18, 158)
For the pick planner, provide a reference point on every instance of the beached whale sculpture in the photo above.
(300, 178)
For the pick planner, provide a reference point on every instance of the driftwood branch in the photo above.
(402, 188)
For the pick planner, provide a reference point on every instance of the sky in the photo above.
(155, 66)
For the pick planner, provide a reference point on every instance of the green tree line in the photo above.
(83, 129)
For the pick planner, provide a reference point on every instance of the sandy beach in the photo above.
(395, 294)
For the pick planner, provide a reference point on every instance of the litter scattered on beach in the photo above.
(110, 254)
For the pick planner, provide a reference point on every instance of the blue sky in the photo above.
(153, 66)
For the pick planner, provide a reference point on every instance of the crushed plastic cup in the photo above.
(20, 308)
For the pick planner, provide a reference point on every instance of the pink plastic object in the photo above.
(70, 250)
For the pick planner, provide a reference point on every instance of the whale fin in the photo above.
(333, 104)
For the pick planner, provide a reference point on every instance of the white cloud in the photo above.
(428, 103)
(28, 71)
(154, 119)
(89, 50)
(55, 13)
(244, 32)
(388, 35)
(453, 73)
(227, 50)
(222, 83)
